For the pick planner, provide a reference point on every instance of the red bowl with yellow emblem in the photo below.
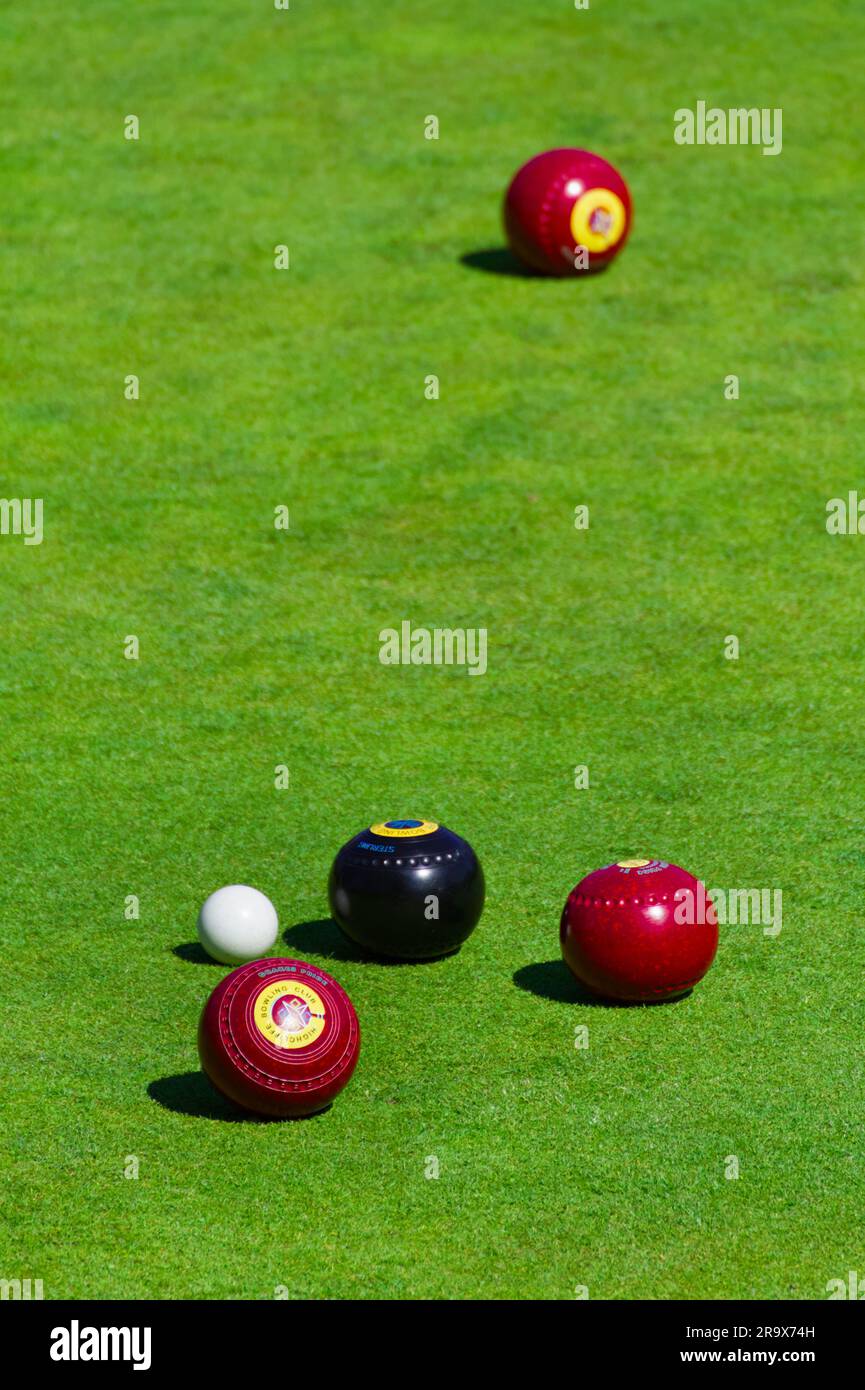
(279, 1038)
(567, 212)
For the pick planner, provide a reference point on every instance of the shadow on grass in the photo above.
(321, 937)
(498, 260)
(551, 979)
(324, 938)
(190, 1093)
(194, 953)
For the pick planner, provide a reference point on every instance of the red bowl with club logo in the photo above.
(279, 1038)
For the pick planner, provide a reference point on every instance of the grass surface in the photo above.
(558, 1167)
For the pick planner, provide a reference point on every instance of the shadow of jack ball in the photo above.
(407, 889)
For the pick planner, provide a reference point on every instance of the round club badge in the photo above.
(598, 219)
(403, 829)
(288, 1013)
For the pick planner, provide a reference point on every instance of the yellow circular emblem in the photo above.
(289, 1014)
(598, 219)
(403, 829)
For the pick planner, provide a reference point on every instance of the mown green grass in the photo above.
(558, 1167)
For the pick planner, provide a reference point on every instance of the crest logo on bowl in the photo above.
(642, 866)
(289, 1014)
(403, 829)
(598, 219)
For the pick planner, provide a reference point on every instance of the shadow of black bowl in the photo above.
(324, 938)
(193, 953)
(190, 1093)
(551, 979)
(498, 260)
(320, 938)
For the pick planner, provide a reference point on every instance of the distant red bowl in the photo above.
(564, 200)
(625, 932)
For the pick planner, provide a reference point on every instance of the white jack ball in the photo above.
(237, 924)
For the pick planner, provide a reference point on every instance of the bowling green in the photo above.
(245, 465)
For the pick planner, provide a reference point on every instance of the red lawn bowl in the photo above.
(639, 931)
(279, 1038)
(562, 201)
